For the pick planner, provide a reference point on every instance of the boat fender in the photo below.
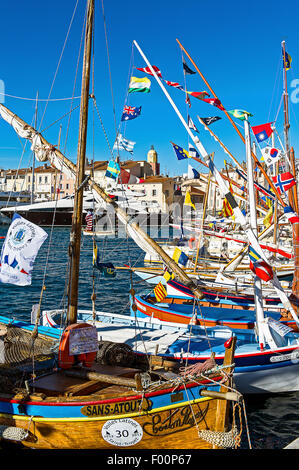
(66, 360)
(191, 242)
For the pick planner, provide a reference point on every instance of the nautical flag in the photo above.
(227, 210)
(239, 113)
(148, 70)
(123, 144)
(19, 250)
(187, 69)
(94, 254)
(174, 84)
(286, 59)
(127, 178)
(214, 102)
(130, 112)
(291, 215)
(180, 257)
(188, 200)
(192, 151)
(107, 269)
(168, 276)
(257, 265)
(192, 173)
(198, 94)
(142, 85)
(270, 155)
(209, 120)
(180, 152)
(262, 132)
(88, 219)
(113, 170)
(258, 186)
(187, 100)
(160, 292)
(269, 217)
(284, 182)
(191, 124)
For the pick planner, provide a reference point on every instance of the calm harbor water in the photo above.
(273, 421)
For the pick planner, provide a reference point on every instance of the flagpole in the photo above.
(292, 193)
(253, 222)
(285, 103)
(223, 188)
(203, 217)
(236, 128)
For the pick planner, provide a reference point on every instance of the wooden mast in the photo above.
(75, 236)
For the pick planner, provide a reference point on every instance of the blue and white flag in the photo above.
(123, 144)
(19, 250)
(193, 151)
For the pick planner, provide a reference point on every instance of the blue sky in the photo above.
(236, 45)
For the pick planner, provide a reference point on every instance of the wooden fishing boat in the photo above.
(109, 407)
(239, 314)
(269, 368)
(82, 403)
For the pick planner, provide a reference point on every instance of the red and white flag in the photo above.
(148, 70)
(88, 219)
(284, 182)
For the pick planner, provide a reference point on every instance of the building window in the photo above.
(46, 179)
(67, 186)
(40, 179)
(154, 192)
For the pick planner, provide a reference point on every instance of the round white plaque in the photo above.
(122, 432)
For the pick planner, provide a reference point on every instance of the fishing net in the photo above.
(22, 356)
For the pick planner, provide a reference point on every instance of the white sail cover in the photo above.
(19, 250)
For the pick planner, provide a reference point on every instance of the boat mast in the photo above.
(292, 193)
(253, 240)
(75, 236)
(33, 159)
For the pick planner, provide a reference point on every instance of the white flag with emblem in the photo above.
(19, 250)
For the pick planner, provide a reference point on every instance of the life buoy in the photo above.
(190, 242)
(65, 359)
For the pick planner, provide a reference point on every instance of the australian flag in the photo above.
(130, 112)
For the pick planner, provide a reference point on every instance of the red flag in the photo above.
(214, 102)
(148, 70)
(262, 270)
(198, 94)
(262, 132)
(284, 182)
(174, 84)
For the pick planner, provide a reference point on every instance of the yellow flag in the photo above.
(268, 219)
(188, 201)
(168, 276)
